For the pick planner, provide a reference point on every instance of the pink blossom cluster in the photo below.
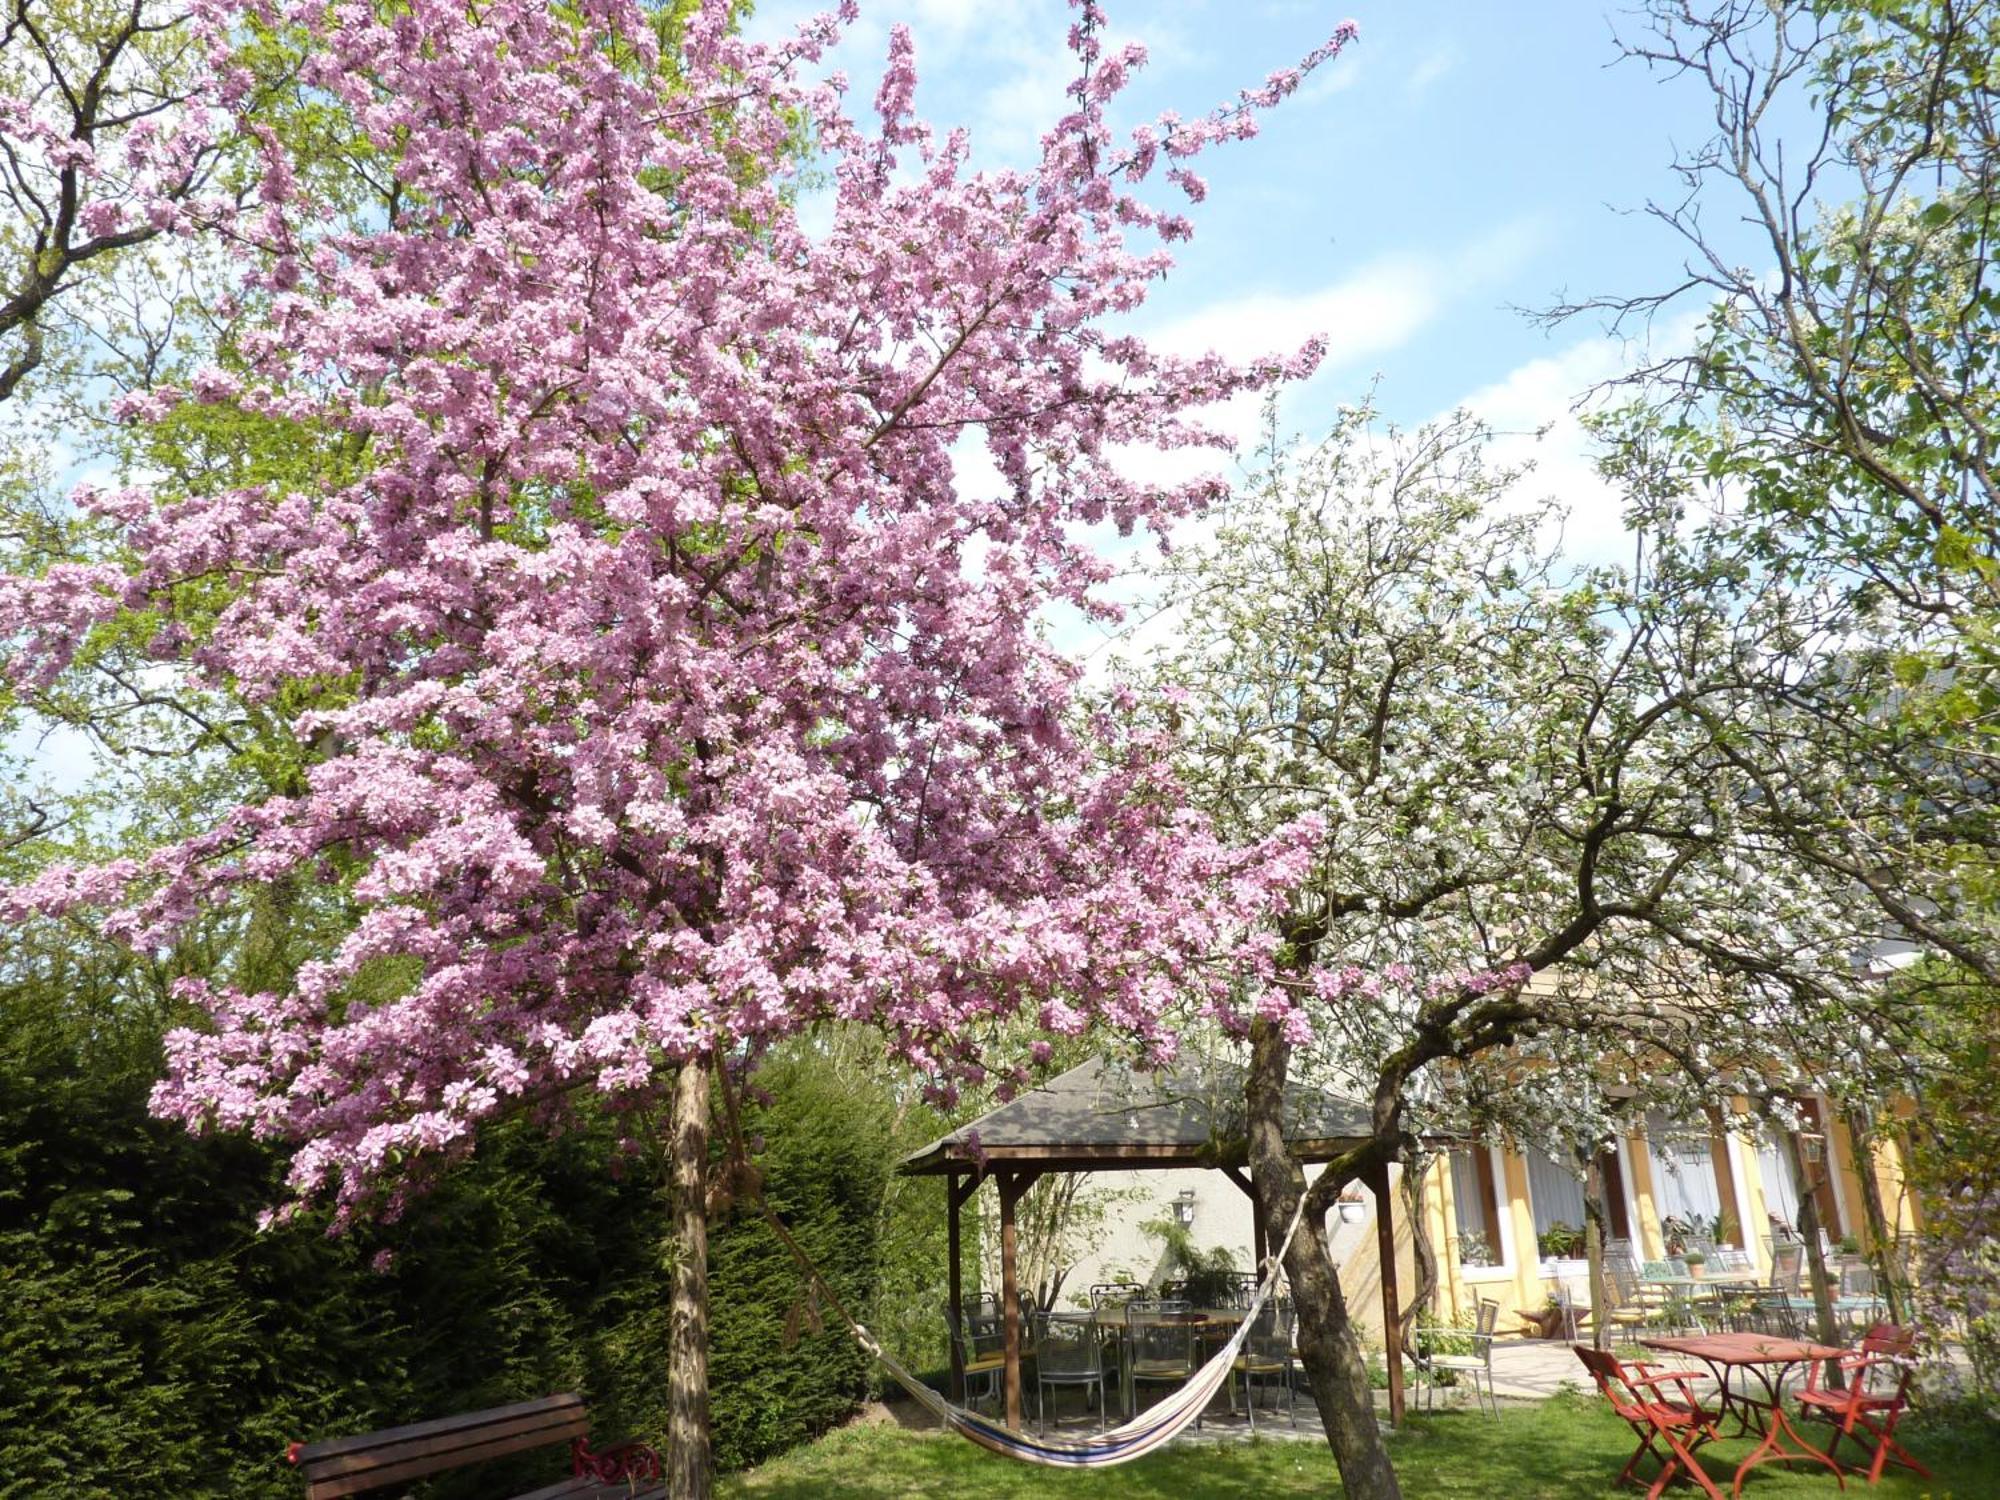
(664, 709)
(135, 172)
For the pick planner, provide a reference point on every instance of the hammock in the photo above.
(1153, 1428)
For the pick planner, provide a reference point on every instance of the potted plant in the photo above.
(1695, 1260)
(1559, 1241)
(1207, 1277)
(1351, 1204)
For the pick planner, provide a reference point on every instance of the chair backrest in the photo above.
(1624, 1282)
(1161, 1332)
(1730, 1258)
(1786, 1259)
(1774, 1311)
(1064, 1344)
(1887, 1338)
(982, 1332)
(1270, 1333)
(1565, 1301)
(1115, 1293)
(1488, 1320)
(1857, 1279)
(1611, 1382)
(1654, 1269)
(1882, 1362)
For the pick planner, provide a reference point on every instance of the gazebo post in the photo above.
(1385, 1255)
(956, 1192)
(1012, 1186)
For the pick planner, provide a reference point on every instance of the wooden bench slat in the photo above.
(337, 1467)
(573, 1488)
(536, 1427)
(595, 1489)
(311, 1453)
(417, 1457)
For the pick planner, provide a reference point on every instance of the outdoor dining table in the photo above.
(1211, 1324)
(1732, 1281)
(1769, 1360)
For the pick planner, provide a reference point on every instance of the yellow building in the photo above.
(1490, 1208)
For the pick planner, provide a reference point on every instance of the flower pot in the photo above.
(1695, 1271)
(1350, 1212)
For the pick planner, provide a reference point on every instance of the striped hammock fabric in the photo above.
(1153, 1428)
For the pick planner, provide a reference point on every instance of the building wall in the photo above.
(1120, 1249)
(1522, 1281)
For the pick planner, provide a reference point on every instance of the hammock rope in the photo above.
(1151, 1429)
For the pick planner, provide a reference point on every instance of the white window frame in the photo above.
(1503, 1214)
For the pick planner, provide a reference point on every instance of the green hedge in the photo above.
(152, 1342)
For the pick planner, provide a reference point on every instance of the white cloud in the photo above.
(1531, 409)
(1367, 313)
(1430, 68)
(1364, 314)
(1535, 411)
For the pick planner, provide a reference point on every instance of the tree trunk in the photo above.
(1881, 1243)
(1423, 1300)
(1328, 1347)
(690, 1460)
(1822, 1291)
(1593, 1249)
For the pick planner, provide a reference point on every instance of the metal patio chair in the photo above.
(1161, 1337)
(982, 1351)
(1068, 1352)
(1267, 1356)
(1475, 1367)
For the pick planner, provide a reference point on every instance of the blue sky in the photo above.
(1462, 160)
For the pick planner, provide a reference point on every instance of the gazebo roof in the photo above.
(1102, 1115)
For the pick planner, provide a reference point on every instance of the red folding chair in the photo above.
(1876, 1377)
(1637, 1392)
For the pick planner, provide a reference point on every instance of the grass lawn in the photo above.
(1565, 1449)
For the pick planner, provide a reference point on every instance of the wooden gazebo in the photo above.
(1104, 1117)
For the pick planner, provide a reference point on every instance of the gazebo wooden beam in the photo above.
(1088, 1158)
(1012, 1186)
(958, 1191)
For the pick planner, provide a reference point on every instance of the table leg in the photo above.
(1773, 1449)
(1730, 1400)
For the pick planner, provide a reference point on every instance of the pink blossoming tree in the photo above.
(666, 691)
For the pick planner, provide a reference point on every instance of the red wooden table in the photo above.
(1768, 1359)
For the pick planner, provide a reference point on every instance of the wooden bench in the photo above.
(351, 1465)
